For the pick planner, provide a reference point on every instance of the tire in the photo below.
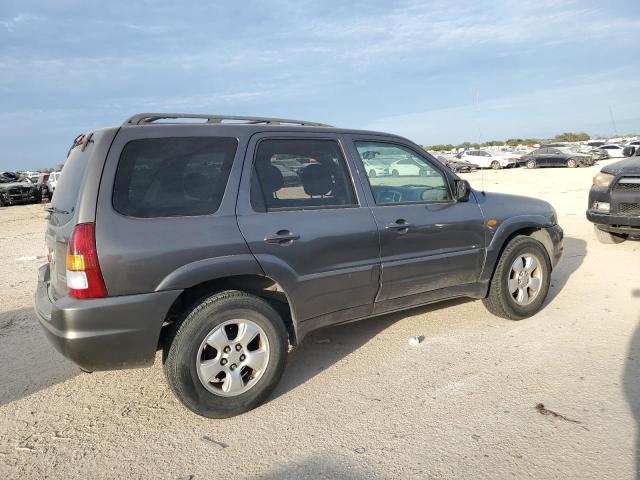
(372, 173)
(395, 173)
(187, 339)
(495, 165)
(501, 301)
(1, 201)
(531, 164)
(572, 163)
(608, 237)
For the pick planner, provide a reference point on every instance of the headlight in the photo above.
(602, 180)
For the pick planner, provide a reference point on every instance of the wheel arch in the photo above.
(502, 238)
(238, 272)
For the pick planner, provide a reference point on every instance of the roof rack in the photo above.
(147, 118)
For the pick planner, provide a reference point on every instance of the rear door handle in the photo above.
(400, 226)
(282, 237)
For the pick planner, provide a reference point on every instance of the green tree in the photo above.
(439, 147)
(572, 137)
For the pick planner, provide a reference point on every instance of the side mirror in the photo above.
(462, 190)
(629, 151)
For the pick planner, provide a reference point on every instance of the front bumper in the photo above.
(614, 223)
(103, 333)
(19, 199)
(557, 235)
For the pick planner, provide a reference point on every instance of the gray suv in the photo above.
(223, 242)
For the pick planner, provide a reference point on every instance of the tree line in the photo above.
(513, 142)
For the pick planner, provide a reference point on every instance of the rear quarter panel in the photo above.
(140, 255)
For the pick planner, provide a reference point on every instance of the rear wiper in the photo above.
(56, 210)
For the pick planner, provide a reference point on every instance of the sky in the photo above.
(433, 71)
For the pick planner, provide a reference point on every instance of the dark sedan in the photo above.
(555, 157)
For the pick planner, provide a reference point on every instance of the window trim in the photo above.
(444, 174)
(350, 178)
(171, 217)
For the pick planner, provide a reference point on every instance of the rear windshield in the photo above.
(67, 189)
(169, 177)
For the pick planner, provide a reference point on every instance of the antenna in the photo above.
(613, 121)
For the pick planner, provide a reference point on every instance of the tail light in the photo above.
(84, 278)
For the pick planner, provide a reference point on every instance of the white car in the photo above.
(484, 159)
(614, 151)
(52, 182)
(375, 168)
(409, 167)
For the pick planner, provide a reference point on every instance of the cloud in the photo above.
(22, 18)
(545, 111)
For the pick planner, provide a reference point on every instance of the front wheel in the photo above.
(495, 165)
(227, 355)
(395, 173)
(521, 280)
(372, 173)
(571, 163)
(531, 164)
(608, 237)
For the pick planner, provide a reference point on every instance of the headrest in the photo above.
(316, 179)
(197, 186)
(271, 178)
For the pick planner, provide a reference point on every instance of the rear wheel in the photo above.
(521, 280)
(495, 165)
(227, 355)
(608, 237)
(531, 164)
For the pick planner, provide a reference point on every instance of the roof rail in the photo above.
(147, 118)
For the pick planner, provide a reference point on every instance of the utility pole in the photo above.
(613, 121)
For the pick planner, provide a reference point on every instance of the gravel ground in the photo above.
(357, 401)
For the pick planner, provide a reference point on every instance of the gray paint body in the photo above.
(345, 266)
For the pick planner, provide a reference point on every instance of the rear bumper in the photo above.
(105, 333)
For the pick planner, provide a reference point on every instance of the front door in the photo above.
(304, 222)
(429, 242)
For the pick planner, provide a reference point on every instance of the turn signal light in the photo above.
(84, 278)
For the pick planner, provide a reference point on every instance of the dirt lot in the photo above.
(357, 401)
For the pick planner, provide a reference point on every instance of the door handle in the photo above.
(400, 226)
(282, 237)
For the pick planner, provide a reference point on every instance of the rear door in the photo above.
(429, 242)
(310, 233)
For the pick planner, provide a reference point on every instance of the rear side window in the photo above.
(170, 177)
(68, 187)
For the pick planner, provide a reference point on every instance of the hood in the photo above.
(628, 165)
(6, 186)
(503, 206)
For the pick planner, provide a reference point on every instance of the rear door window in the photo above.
(297, 174)
(169, 177)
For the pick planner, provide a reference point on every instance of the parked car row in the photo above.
(16, 189)
(33, 187)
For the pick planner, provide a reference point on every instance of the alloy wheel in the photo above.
(232, 357)
(525, 279)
